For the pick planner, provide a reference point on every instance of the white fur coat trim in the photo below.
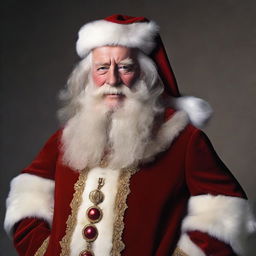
(103, 244)
(167, 133)
(30, 196)
(226, 218)
(101, 32)
(187, 246)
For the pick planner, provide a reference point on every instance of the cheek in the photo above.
(129, 79)
(98, 80)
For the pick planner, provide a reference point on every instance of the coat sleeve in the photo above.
(30, 202)
(219, 219)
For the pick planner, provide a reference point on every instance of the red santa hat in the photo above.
(139, 32)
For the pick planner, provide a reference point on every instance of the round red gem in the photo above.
(94, 214)
(86, 253)
(90, 232)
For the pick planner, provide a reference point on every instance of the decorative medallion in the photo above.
(94, 215)
(90, 233)
(96, 196)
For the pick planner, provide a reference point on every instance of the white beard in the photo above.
(124, 132)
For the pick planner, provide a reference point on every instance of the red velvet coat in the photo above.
(157, 204)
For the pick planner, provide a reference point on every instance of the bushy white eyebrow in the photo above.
(101, 64)
(127, 61)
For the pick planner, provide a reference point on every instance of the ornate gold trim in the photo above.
(42, 249)
(71, 221)
(120, 207)
(179, 252)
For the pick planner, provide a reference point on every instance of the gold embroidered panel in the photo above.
(72, 219)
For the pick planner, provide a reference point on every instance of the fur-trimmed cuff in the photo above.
(226, 218)
(188, 247)
(30, 196)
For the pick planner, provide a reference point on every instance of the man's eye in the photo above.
(125, 67)
(101, 68)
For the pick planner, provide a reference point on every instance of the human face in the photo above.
(115, 66)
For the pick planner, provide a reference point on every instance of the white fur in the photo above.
(187, 246)
(167, 133)
(227, 218)
(101, 32)
(30, 196)
(103, 244)
(198, 110)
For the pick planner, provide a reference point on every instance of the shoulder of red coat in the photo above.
(170, 112)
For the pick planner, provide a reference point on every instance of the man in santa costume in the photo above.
(129, 173)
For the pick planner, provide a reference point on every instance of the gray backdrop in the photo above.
(211, 45)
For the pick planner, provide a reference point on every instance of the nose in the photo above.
(113, 77)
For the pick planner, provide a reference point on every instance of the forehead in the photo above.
(110, 54)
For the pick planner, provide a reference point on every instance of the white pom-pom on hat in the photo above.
(199, 111)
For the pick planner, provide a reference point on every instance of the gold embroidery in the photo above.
(120, 207)
(179, 252)
(72, 219)
(42, 249)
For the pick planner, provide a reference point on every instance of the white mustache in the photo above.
(108, 89)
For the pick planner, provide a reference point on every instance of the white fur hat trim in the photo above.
(101, 32)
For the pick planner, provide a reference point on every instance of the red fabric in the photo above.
(124, 19)
(29, 235)
(167, 185)
(31, 229)
(205, 168)
(45, 162)
(155, 209)
(210, 245)
(165, 72)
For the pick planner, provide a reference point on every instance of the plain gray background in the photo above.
(212, 49)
